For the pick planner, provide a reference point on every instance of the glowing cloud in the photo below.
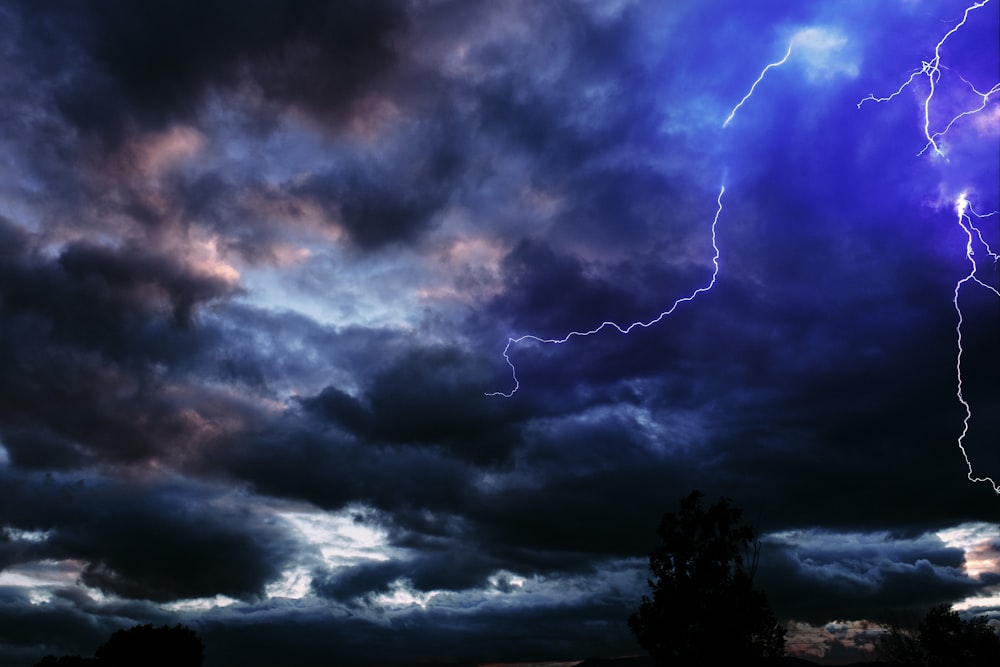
(819, 49)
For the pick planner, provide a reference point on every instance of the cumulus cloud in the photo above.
(825, 54)
(875, 576)
(259, 263)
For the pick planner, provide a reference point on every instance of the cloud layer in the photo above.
(259, 262)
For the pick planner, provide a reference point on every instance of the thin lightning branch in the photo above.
(932, 70)
(604, 325)
(924, 69)
(972, 232)
(984, 100)
(759, 79)
(511, 341)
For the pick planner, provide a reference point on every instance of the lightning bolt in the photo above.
(984, 100)
(963, 208)
(512, 341)
(612, 325)
(755, 83)
(931, 70)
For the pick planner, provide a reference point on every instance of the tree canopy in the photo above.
(943, 639)
(704, 609)
(177, 646)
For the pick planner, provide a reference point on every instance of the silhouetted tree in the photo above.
(178, 646)
(704, 609)
(943, 639)
(941, 636)
(142, 645)
(900, 645)
(66, 661)
(982, 644)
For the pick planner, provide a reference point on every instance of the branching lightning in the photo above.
(934, 134)
(612, 325)
(972, 232)
(984, 100)
(511, 341)
(931, 69)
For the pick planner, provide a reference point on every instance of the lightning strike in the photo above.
(984, 100)
(511, 341)
(931, 69)
(972, 232)
(612, 325)
(759, 79)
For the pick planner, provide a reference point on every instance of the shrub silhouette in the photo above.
(178, 646)
(943, 639)
(704, 609)
(144, 645)
(66, 661)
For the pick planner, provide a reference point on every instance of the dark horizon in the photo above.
(260, 263)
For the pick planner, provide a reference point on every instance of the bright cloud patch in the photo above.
(824, 53)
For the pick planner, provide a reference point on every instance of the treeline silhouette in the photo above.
(177, 646)
(943, 639)
(704, 609)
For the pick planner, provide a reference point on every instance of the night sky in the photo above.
(260, 262)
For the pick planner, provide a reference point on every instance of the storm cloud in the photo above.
(268, 269)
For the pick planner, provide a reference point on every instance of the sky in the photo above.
(279, 283)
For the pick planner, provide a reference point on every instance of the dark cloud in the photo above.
(548, 119)
(449, 566)
(153, 65)
(129, 270)
(29, 631)
(393, 201)
(333, 471)
(259, 263)
(434, 396)
(340, 408)
(444, 636)
(97, 317)
(101, 296)
(431, 397)
(161, 543)
(867, 576)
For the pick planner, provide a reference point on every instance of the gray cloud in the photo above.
(260, 258)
